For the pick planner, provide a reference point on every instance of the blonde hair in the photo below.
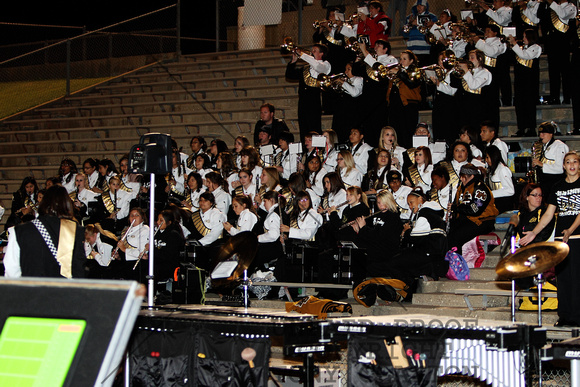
(273, 177)
(386, 198)
(92, 229)
(356, 190)
(348, 161)
(383, 130)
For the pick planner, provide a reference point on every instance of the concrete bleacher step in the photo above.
(457, 300)
(448, 286)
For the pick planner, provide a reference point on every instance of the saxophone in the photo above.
(532, 174)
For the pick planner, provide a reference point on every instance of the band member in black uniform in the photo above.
(169, 243)
(309, 102)
(376, 179)
(555, 18)
(445, 123)
(473, 209)
(380, 235)
(28, 253)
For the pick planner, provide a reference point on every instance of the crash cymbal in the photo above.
(532, 260)
(240, 248)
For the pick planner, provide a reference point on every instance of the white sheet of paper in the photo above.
(318, 141)
(466, 13)
(420, 141)
(224, 269)
(267, 150)
(295, 148)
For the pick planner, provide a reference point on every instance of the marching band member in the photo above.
(226, 167)
(444, 104)
(473, 209)
(216, 185)
(458, 44)
(489, 137)
(525, 15)
(335, 194)
(548, 157)
(400, 193)
(373, 102)
(346, 106)
(177, 177)
(67, 173)
(377, 25)
(247, 218)
(469, 136)
(130, 180)
(134, 245)
(107, 170)
(90, 166)
(285, 162)
(472, 93)
(357, 206)
(198, 146)
(269, 181)
(169, 242)
(297, 183)
(527, 81)
(206, 226)
(418, 174)
(404, 97)
(24, 202)
(309, 150)
(81, 196)
(314, 176)
(388, 141)
(202, 164)
(349, 174)
(251, 161)
(376, 179)
(240, 143)
(304, 221)
(442, 192)
(330, 152)
(247, 186)
(360, 150)
(500, 180)
(194, 189)
(269, 247)
(426, 240)
(99, 245)
(113, 206)
(309, 103)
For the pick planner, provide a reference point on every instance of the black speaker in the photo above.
(153, 154)
(190, 288)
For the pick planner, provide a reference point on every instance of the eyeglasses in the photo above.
(536, 195)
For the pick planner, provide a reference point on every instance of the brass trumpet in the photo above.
(289, 47)
(318, 23)
(352, 44)
(439, 72)
(458, 70)
(333, 82)
(382, 71)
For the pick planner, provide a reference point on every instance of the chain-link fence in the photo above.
(51, 69)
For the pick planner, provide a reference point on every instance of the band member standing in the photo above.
(548, 157)
(377, 25)
(445, 124)
(527, 81)
(309, 103)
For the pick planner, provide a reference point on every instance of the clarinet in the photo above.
(448, 214)
(145, 250)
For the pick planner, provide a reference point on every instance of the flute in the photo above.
(339, 205)
(122, 240)
(145, 250)
(365, 218)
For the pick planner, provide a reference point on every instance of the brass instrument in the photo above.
(451, 62)
(352, 44)
(382, 71)
(318, 23)
(289, 47)
(439, 72)
(333, 82)
(532, 174)
(351, 21)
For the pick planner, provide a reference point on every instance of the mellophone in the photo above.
(497, 352)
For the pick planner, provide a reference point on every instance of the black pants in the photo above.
(558, 51)
(464, 230)
(568, 273)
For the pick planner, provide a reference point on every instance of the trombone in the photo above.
(289, 47)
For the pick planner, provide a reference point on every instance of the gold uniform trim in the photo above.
(330, 39)
(491, 21)
(489, 61)
(309, 80)
(198, 223)
(466, 88)
(526, 19)
(108, 202)
(525, 62)
(557, 23)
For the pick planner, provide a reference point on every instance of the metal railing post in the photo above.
(217, 25)
(300, 4)
(67, 91)
(178, 30)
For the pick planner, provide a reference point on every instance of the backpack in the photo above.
(458, 269)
